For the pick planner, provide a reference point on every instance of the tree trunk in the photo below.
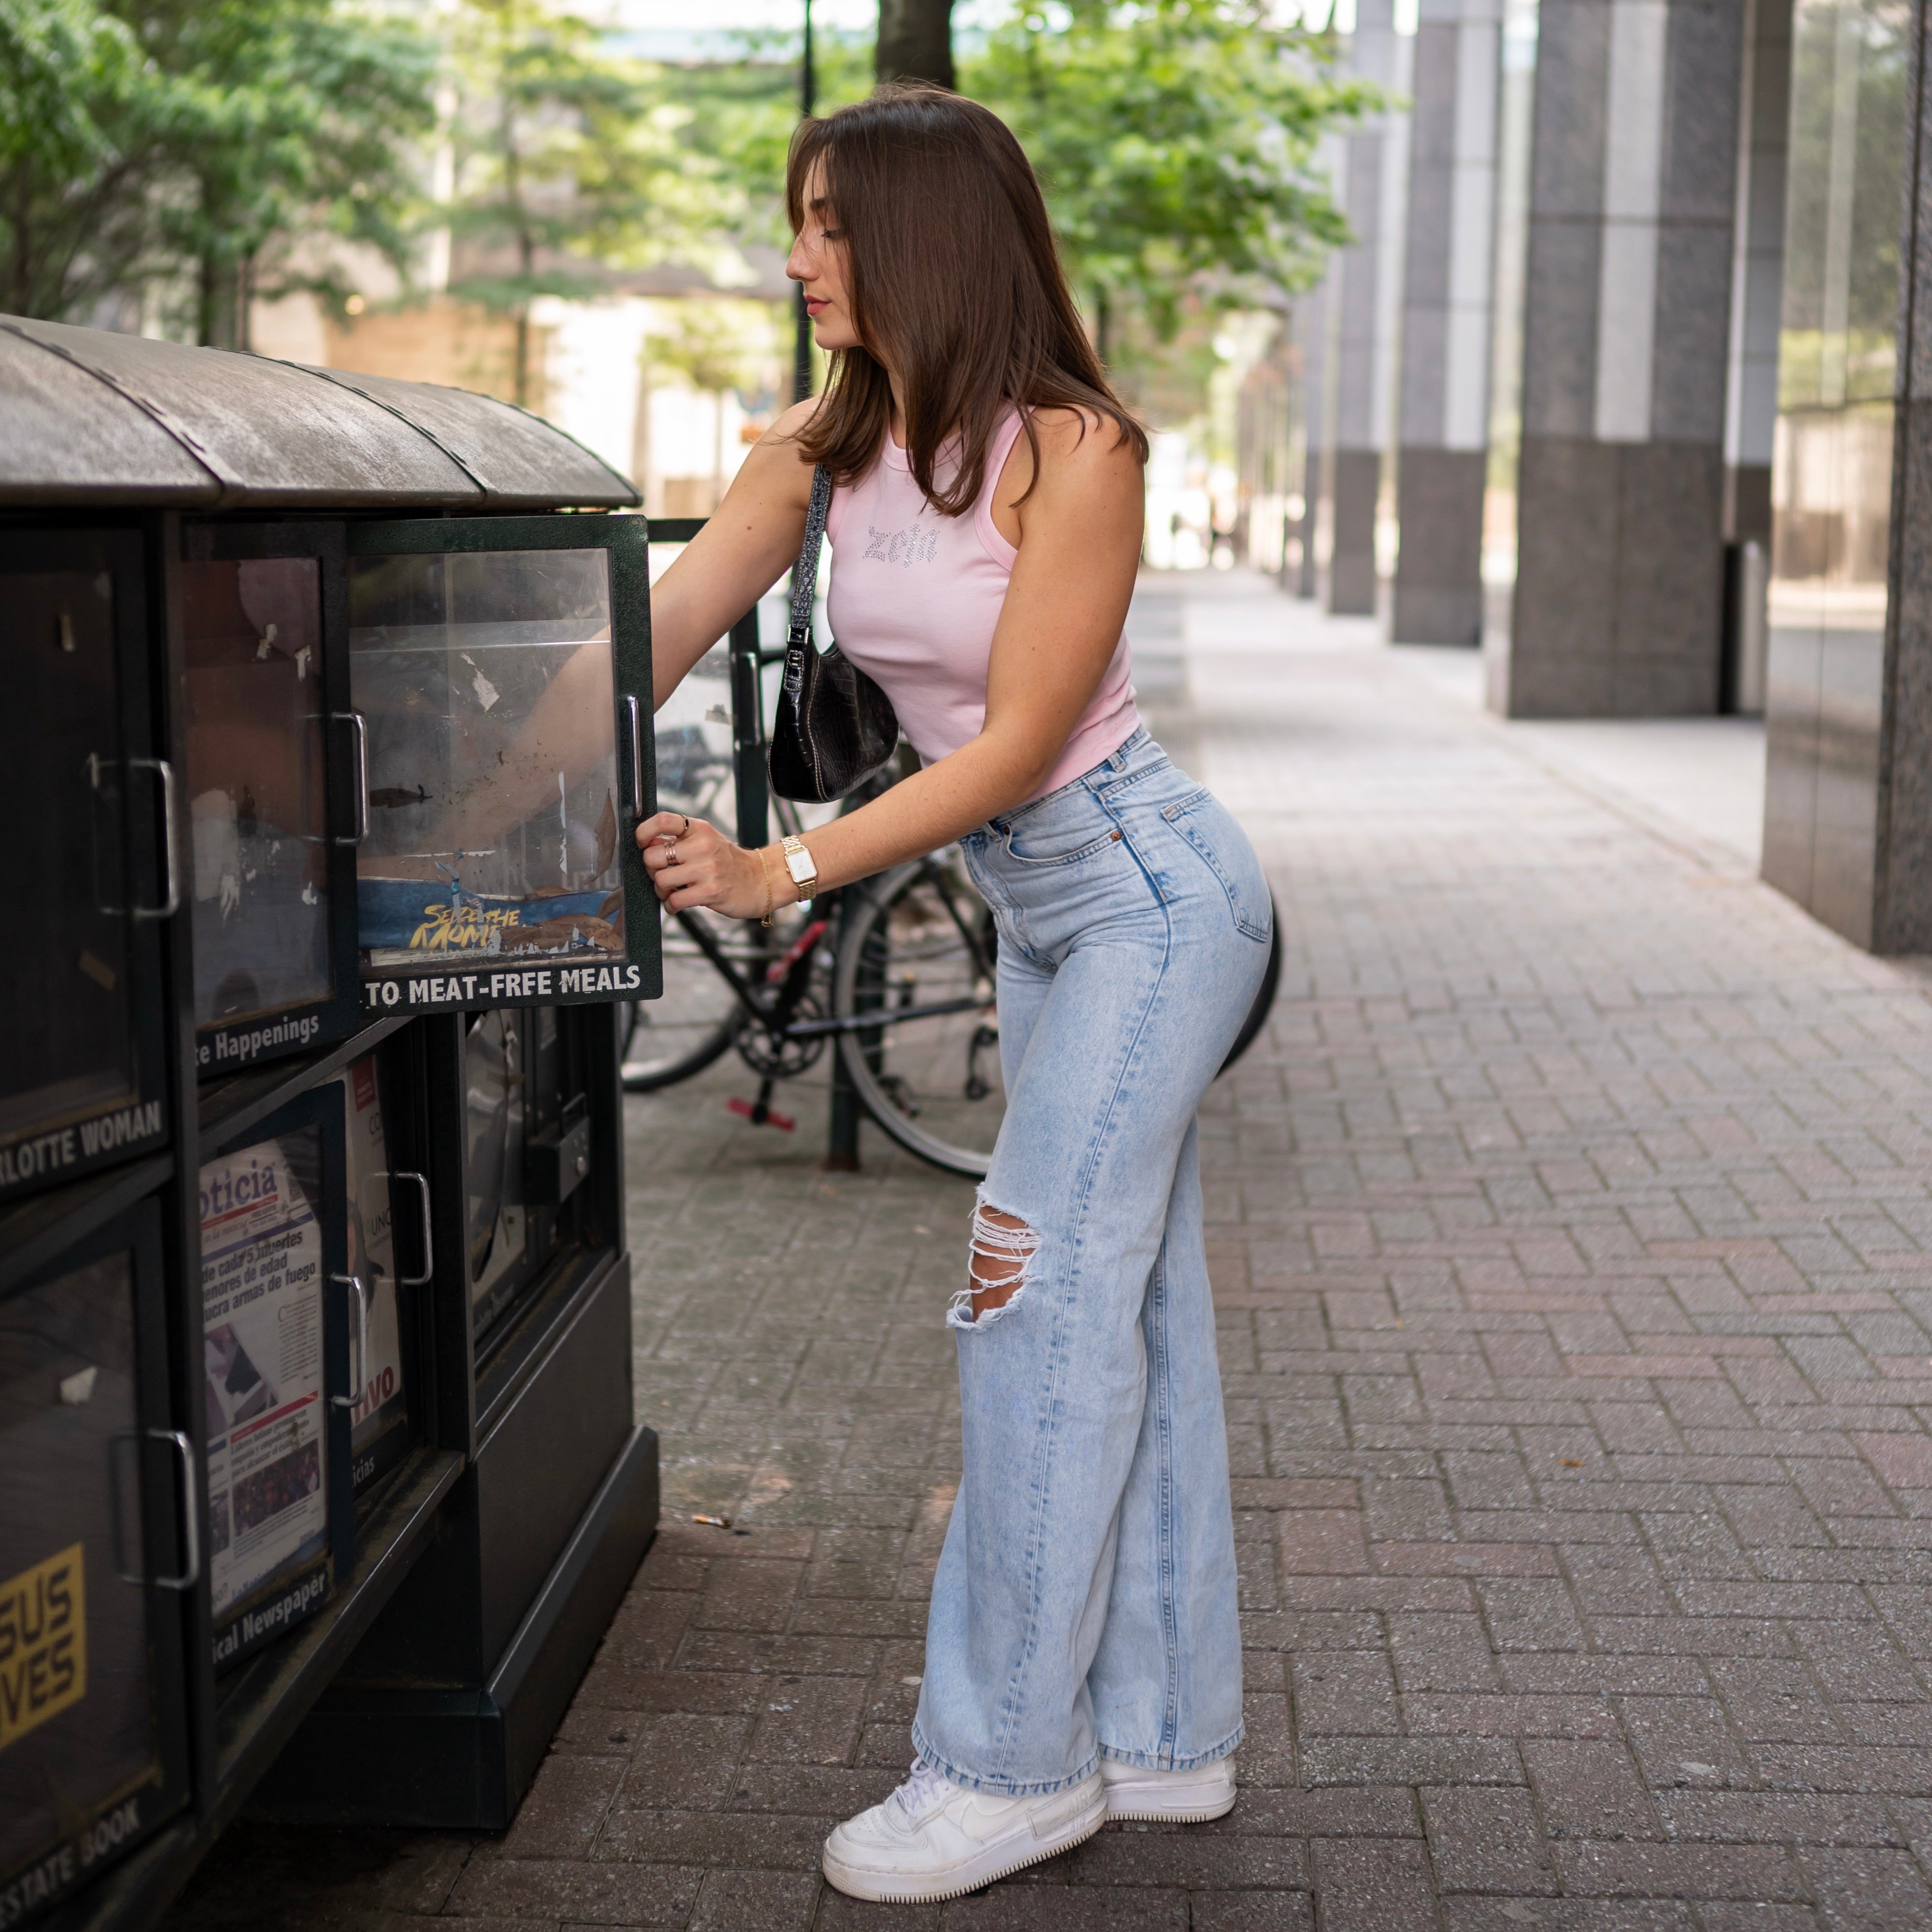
(208, 283)
(526, 255)
(915, 41)
(244, 302)
(640, 433)
(1101, 320)
(513, 194)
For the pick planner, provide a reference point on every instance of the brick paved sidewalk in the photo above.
(1573, 1248)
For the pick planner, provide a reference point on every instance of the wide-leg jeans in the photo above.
(1084, 1603)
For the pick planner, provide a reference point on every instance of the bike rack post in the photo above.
(747, 733)
(752, 791)
(842, 1134)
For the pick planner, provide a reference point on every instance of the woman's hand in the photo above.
(693, 864)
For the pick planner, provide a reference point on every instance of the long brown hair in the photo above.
(953, 278)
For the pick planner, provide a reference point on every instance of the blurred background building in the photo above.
(1657, 446)
(1580, 333)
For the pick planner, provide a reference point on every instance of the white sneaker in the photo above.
(933, 1839)
(1169, 1797)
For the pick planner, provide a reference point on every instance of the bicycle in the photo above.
(899, 970)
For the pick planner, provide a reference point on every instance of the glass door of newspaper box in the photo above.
(276, 790)
(99, 1543)
(502, 665)
(391, 1252)
(88, 869)
(287, 1342)
(526, 1148)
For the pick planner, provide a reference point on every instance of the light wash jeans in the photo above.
(1084, 1603)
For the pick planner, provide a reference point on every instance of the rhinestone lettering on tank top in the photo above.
(919, 544)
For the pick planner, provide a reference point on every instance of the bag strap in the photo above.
(804, 582)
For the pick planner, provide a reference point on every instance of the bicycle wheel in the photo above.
(919, 950)
(1270, 984)
(668, 1039)
(923, 939)
(699, 1017)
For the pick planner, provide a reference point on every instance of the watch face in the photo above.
(800, 865)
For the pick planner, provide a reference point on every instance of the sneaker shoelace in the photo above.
(924, 1788)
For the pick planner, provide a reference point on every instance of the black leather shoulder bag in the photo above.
(836, 727)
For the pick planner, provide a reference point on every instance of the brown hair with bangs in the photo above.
(953, 279)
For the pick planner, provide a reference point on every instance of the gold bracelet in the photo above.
(765, 867)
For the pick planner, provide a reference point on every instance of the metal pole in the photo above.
(801, 365)
(842, 1129)
(748, 734)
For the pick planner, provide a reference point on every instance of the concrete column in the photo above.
(1365, 314)
(1848, 714)
(1448, 289)
(1757, 270)
(1617, 605)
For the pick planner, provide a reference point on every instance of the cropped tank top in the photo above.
(914, 600)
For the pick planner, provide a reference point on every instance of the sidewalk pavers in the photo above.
(1572, 1247)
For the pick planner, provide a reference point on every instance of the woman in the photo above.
(1083, 1658)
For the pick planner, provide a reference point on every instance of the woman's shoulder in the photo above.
(776, 464)
(790, 422)
(1071, 432)
(1075, 443)
(782, 442)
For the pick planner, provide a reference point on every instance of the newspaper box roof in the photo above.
(96, 418)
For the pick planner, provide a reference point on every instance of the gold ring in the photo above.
(686, 833)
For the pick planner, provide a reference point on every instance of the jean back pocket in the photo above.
(1204, 822)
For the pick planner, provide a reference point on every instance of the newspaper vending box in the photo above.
(323, 745)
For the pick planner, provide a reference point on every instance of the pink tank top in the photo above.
(914, 599)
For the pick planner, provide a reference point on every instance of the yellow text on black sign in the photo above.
(43, 1643)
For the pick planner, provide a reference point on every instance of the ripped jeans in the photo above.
(1085, 1599)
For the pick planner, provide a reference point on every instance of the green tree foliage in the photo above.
(1176, 141)
(744, 112)
(568, 157)
(191, 144)
(298, 118)
(84, 123)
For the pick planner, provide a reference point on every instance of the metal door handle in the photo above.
(361, 1376)
(636, 721)
(191, 1512)
(428, 1245)
(170, 839)
(361, 728)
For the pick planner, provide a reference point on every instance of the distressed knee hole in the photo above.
(999, 1267)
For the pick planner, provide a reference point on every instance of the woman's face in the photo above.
(817, 263)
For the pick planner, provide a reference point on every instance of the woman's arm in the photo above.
(751, 540)
(1080, 533)
(727, 568)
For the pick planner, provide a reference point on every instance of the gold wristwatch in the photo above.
(803, 867)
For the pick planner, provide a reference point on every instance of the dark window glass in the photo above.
(64, 978)
(1809, 185)
(257, 800)
(1878, 33)
(76, 1724)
